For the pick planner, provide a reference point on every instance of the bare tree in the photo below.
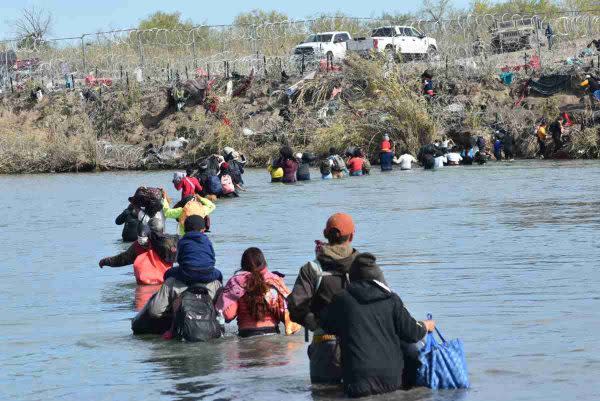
(32, 26)
(436, 10)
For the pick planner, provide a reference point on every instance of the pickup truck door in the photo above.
(404, 42)
(340, 44)
(419, 41)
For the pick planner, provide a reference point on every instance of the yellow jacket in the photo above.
(276, 172)
(201, 207)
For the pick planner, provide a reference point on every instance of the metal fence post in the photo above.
(141, 51)
(83, 55)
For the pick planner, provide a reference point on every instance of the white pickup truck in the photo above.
(324, 44)
(396, 40)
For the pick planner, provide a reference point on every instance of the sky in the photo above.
(74, 17)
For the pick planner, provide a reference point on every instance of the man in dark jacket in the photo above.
(129, 219)
(371, 323)
(317, 283)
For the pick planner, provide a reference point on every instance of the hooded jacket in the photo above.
(131, 223)
(196, 259)
(304, 303)
(370, 322)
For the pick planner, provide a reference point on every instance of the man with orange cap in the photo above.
(317, 283)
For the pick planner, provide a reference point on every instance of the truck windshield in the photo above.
(388, 32)
(318, 38)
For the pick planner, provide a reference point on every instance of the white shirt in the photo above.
(454, 157)
(405, 161)
(439, 161)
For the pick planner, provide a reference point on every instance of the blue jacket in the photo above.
(196, 259)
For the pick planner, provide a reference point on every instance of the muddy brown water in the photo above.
(505, 257)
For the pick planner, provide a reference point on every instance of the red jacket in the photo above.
(386, 146)
(188, 186)
(355, 164)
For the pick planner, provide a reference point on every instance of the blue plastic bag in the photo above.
(443, 365)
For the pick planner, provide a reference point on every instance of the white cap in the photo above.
(298, 155)
(227, 150)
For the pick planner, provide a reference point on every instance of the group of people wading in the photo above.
(364, 338)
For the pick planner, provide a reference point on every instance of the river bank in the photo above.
(114, 128)
(509, 269)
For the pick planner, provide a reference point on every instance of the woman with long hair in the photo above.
(256, 297)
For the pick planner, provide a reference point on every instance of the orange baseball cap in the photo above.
(341, 222)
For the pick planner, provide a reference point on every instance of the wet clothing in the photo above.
(157, 315)
(202, 208)
(290, 167)
(303, 172)
(454, 158)
(498, 149)
(236, 170)
(405, 161)
(126, 257)
(306, 302)
(386, 159)
(196, 260)
(130, 223)
(371, 323)
(276, 173)
(439, 162)
(386, 146)
(188, 186)
(355, 165)
(233, 302)
(541, 137)
(428, 161)
(507, 144)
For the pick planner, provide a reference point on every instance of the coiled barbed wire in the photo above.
(267, 48)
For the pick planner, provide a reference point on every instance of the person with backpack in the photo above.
(303, 173)
(276, 173)
(374, 329)
(338, 166)
(288, 163)
(148, 206)
(196, 275)
(227, 184)
(187, 184)
(190, 206)
(129, 219)
(541, 138)
(325, 169)
(317, 283)
(236, 161)
(256, 298)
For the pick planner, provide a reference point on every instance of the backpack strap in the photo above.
(316, 266)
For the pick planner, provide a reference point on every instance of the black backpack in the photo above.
(196, 319)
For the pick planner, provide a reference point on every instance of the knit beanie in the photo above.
(365, 267)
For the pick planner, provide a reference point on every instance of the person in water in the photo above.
(256, 298)
(454, 158)
(386, 154)
(468, 155)
(325, 169)
(317, 283)
(373, 327)
(187, 184)
(303, 172)
(275, 172)
(190, 206)
(288, 163)
(129, 219)
(338, 166)
(151, 219)
(196, 267)
(355, 165)
(229, 186)
(236, 161)
(405, 160)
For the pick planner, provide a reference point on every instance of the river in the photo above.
(504, 256)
